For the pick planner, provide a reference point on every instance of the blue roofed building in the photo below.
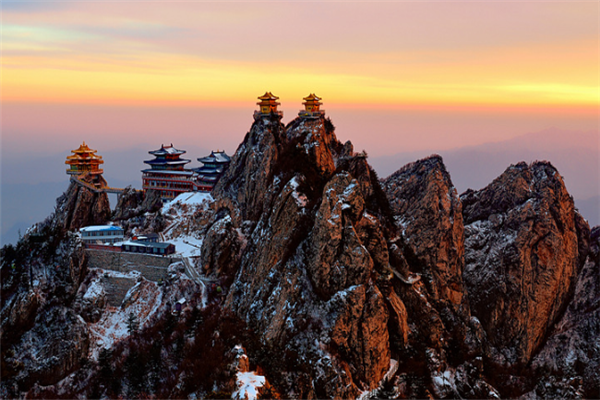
(101, 234)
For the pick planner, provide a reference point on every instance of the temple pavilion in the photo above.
(85, 161)
(268, 105)
(214, 166)
(312, 104)
(167, 174)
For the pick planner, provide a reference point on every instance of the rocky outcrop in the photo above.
(20, 312)
(428, 212)
(139, 210)
(250, 173)
(524, 247)
(129, 204)
(336, 283)
(152, 201)
(339, 258)
(91, 299)
(428, 257)
(53, 348)
(80, 206)
(360, 331)
(222, 248)
(305, 277)
(571, 354)
(315, 141)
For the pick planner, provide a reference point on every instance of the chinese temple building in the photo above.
(84, 161)
(312, 104)
(268, 104)
(167, 174)
(214, 166)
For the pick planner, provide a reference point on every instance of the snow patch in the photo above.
(248, 384)
(187, 246)
(189, 198)
(94, 291)
(112, 327)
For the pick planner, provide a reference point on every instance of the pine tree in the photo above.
(104, 363)
(135, 373)
(132, 324)
(169, 325)
(155, 365)
(107, 378)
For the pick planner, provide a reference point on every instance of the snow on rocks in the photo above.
(300, 198)
(188, 198)
(142, 300)
(181, 231)
(94, 291)
(248, 384)
(187, 245)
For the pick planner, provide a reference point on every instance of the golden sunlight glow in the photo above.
(126, 61)
(193, 82)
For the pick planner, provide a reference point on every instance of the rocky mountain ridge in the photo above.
(346, 284)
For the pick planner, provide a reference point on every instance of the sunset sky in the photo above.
(415, 75)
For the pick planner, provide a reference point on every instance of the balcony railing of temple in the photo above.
(258, 114)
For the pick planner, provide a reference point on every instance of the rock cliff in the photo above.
(129, 204)
(80, 206)
(305, 279)
(569, 362)
(428, 256)
(139, 210)
(43, 338)
(525, 245)
(250, 173)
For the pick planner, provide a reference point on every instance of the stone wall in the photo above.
(116, 289)
(151, 267)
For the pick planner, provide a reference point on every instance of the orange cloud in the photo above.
(207, 54)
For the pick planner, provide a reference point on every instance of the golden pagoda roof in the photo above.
(268, 96)
(312, 97)
(84, 153)
(84, 149)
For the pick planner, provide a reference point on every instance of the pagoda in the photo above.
(84, 163)
(268, 105)
(167, 174)
(214, 166)
(312, 104)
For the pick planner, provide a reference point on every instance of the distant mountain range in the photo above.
(476, 166)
